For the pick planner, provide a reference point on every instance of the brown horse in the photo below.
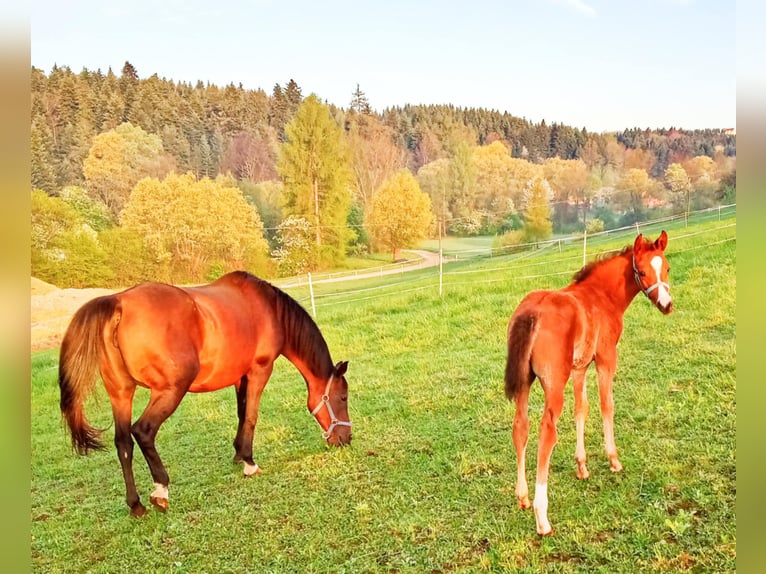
(553, 334)
(175, 340)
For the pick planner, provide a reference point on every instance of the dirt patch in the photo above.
(52, 309)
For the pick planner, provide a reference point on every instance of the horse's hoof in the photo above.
(252, 470)
(160, 504)
(524, 503)
(548, 533)
(614, 465)
(138, 510)
(582, 471)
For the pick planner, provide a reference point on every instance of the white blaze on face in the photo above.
(663, 296)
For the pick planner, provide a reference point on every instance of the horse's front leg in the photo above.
(606, 367)
(241, 390)
(256, 381)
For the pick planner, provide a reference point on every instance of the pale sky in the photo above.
(605, 65)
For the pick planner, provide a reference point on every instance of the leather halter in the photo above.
(325, 402)
(647, 290)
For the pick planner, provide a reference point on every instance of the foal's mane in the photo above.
(301, 333)
(602, 258)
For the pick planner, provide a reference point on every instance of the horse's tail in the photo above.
(518, 371)
(81, 349)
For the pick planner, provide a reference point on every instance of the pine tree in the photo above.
(359, 102)
(43, 175)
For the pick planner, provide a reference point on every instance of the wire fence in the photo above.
(534, 262)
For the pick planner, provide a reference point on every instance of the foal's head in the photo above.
(650, 269)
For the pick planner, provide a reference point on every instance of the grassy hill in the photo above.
(427, 485)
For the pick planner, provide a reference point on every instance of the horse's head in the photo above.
(650, 269)
(332, 411)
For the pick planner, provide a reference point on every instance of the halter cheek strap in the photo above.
(647, 290)
(325, 402)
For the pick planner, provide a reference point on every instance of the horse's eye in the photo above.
(344, 398)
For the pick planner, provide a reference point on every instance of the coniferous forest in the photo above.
(136, 178)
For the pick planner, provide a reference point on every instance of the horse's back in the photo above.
(562, 328)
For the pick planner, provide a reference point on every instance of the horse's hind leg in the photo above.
(161, 405)
(606, 369)
(580, 414)
(554, 403)
(122, 407)
(520, 437)
(241, 390)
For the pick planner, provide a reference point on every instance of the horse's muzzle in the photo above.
(666, 309)
(340, 437)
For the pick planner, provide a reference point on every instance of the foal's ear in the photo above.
(662, 241)
(638, 243)
(340, 368)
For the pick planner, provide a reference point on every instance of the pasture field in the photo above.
(428, 482)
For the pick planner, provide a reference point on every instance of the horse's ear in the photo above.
(340, 368)
(638, 243)
(662, 241)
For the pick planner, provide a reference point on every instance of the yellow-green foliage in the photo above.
(192, 223)
(65, 249)
(401, 212)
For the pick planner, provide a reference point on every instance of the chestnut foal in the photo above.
(553, 334)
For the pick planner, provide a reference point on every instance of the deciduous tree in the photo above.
(374, 156)
(118, 159)
(400, 214)
(197, 223)
(537, 210)
(679, 185)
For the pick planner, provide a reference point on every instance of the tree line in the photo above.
(149, 178)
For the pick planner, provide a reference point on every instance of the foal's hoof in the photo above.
(138, 510)
(160, 504)
(548, 533)
(524, 503)
(614, 465)
(582, 471)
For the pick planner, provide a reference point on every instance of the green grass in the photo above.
(480, 245)
(427, 485)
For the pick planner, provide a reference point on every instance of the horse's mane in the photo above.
(588, 269)
(301, 333)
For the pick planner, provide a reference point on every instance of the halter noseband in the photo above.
(647, 290)
(325, 402)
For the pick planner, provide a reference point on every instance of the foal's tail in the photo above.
(78, 363)
(518, 371)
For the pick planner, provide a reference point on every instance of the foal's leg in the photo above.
(520, 437)
(241, 405)
(606, 366)
(580, 414)
(256, 381)
(554, 403)
(161, 405)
